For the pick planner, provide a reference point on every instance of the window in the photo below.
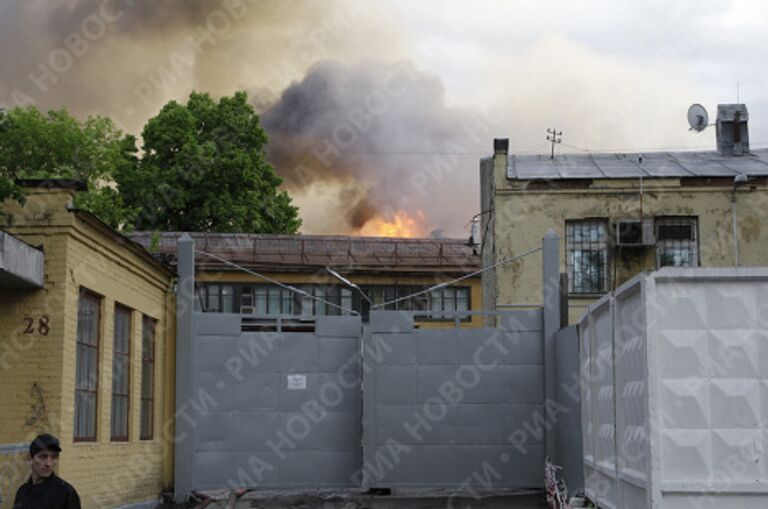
(449, 299)
(87, 366)
(677, 243)
(267, 300)
(147, 378)
(273, 300)
(454, 298)
(215, 298)
(121, 368)
(587, 256)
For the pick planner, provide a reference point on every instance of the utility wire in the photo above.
(462, 278)
(276, 282)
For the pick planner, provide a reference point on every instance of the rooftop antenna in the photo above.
(552, 137)
(698, 118)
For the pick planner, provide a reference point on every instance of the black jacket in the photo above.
(53, 493)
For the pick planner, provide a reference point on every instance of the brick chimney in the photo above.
(732, 131)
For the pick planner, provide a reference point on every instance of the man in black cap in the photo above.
(45, 490)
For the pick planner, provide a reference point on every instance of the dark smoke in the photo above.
(374, 130)
(378, 137)
(127, 58)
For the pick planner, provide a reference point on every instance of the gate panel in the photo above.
(275, 409)
(458, 408)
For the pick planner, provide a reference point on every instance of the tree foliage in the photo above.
(203, 166)
(204, 169)
(56, 145)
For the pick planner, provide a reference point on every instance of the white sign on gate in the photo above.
(297, 382)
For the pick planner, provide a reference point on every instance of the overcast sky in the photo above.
(420, 88)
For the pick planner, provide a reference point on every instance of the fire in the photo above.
(398, 224)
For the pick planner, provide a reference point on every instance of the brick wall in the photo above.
(80, 253)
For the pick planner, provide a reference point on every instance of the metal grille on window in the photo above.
(587, 256)
(87, 368)
(677, 243)
(121, 363)
(147, 409)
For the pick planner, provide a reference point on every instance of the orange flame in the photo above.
(399, 224)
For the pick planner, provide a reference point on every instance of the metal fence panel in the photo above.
(275, 409)
(687, 351)
(453, 407)
(568, 424)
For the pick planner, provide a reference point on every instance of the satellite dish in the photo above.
(698, 118)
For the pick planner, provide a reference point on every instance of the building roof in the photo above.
(632, 166)
(312, 252)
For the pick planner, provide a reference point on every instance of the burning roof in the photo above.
(315, 252)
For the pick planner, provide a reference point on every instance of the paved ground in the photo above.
(358, 500)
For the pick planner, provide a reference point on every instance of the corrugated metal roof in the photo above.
(652, 165)
(313, 252)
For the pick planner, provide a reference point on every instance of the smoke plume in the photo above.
(378, 136)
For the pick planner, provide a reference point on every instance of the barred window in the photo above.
(87, 366)
(121, 368)
(147, 414)
(587, 256)
(677, 242)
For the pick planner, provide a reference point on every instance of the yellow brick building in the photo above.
(57, 350)
(384, 270)
(620, 214)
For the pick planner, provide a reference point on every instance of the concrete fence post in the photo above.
(185, 306)
(551, 288)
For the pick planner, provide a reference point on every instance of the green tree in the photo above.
(204, 169)
(56, 145)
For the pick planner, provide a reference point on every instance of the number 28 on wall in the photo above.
(40, 326)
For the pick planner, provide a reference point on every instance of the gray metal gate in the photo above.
(453, 407)
(273, 409)
(466, 409)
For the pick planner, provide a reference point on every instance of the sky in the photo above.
(378, 111)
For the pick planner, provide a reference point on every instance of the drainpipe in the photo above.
(738, 179)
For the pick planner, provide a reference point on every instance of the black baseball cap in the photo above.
(44, 442)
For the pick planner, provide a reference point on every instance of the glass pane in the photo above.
(287, 298)
(92, 368)
(307, 307)
(227, 298)
(449, 299)
(78, 414)
(261, 300)
(462, 299)
(346, 300)
(320, 306)
(436, 300)
(213, 303)
(90, 421)
(146, 380)
(114, 417)
(146, 418)
(273, 301)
